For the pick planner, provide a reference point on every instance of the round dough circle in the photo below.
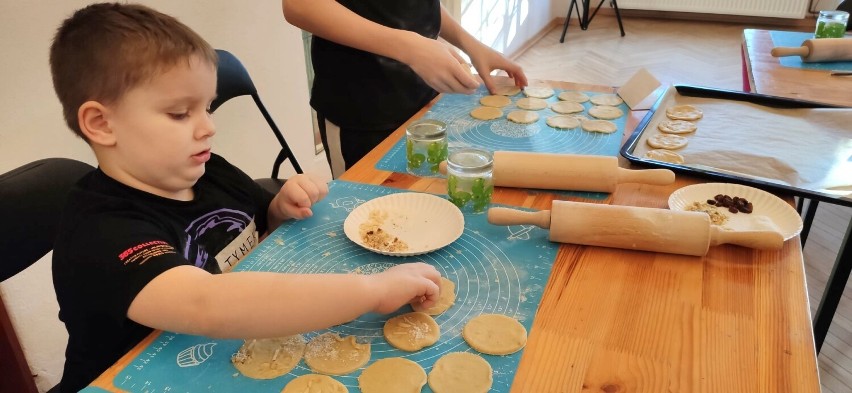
(665, 156)
(677, 126)
(604, 126)
(684, 112)
(445, 301)
(315, 383)
(460, 372)
(607, 99)
(269, 358)
(507, 90)
(573, 96)
(328, 353)
(667, 141)
(495, 334)
(486, 113)
(533, 104)
(539, 92)
(522, 117)
(606, 112)
(563, 122)
(392, 375)
(566, 107)
(412, 332)
(496, 101)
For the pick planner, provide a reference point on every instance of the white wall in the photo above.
(31, 125)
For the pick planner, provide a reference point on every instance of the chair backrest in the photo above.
(233, 80)
(31, 201)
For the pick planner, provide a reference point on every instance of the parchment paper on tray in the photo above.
(809, 148)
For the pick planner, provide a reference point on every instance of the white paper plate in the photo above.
(782, 215)
(423, 221)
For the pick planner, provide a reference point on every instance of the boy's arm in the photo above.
(294, 199)
(433, 61)
(484, 58)
(189, 300)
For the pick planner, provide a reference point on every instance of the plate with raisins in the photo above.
(738, 208)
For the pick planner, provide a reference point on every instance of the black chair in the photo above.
(233, 80)
(584, 18)
(31, 201)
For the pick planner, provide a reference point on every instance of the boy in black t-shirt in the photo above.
(376, 63)
(142, 236)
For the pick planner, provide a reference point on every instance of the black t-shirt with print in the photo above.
(359, 90)
(114, 239)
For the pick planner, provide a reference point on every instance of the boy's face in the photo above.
(162, 130)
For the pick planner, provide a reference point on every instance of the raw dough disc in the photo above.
(573, 96)
(507, 90)
(604, 126)
(392, 375)
(445, 301)
(486, 113)
(566, 107)
(538, 92)
(677, 126)
(412, 332)
(523, 117)
(607, 99)
(606, 112)
(269, 358)
(328, 353)
(495, 334)
(496, 101)
(460, 372)
(315, 383)
(665, 156)
(563, 122)
(533, 104)
(667, 141)
(684, 112)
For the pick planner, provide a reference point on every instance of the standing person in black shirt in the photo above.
(144, 237)
(376, 63)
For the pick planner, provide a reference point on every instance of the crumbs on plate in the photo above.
(374, 237)
(716, 217)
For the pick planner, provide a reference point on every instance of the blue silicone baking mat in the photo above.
(496, 269)
(795, 39)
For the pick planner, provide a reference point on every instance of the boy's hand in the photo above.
(298, 194)
(485, 60)
(405, 283)
(440, 66)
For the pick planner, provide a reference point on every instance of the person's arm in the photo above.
(295, 198)
(438, 65)
(189, 300)
(484, 58)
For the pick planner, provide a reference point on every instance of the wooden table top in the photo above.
(610, 320)
(768, 76)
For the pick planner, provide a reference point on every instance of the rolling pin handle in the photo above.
(760, 239)
(506, 216)
(783, 51)
(658, 177)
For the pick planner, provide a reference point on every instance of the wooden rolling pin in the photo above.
(572, 172)
(819, 49)
(634, 228)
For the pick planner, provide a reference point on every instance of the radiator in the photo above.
(769, 8)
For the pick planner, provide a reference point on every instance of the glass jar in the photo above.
(831, 24)
(469, 179)
(425, 146)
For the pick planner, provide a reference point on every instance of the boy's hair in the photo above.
(104, 50)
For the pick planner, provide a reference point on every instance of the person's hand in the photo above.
(406, 283)
(485, 60)
(298, 194)
(440, 66)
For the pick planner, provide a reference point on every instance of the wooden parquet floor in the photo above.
(703, 54)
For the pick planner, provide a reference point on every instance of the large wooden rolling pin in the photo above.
(572, 172)
(635, 228)
(818, 49)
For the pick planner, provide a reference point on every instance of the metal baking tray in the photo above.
(704, 171)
